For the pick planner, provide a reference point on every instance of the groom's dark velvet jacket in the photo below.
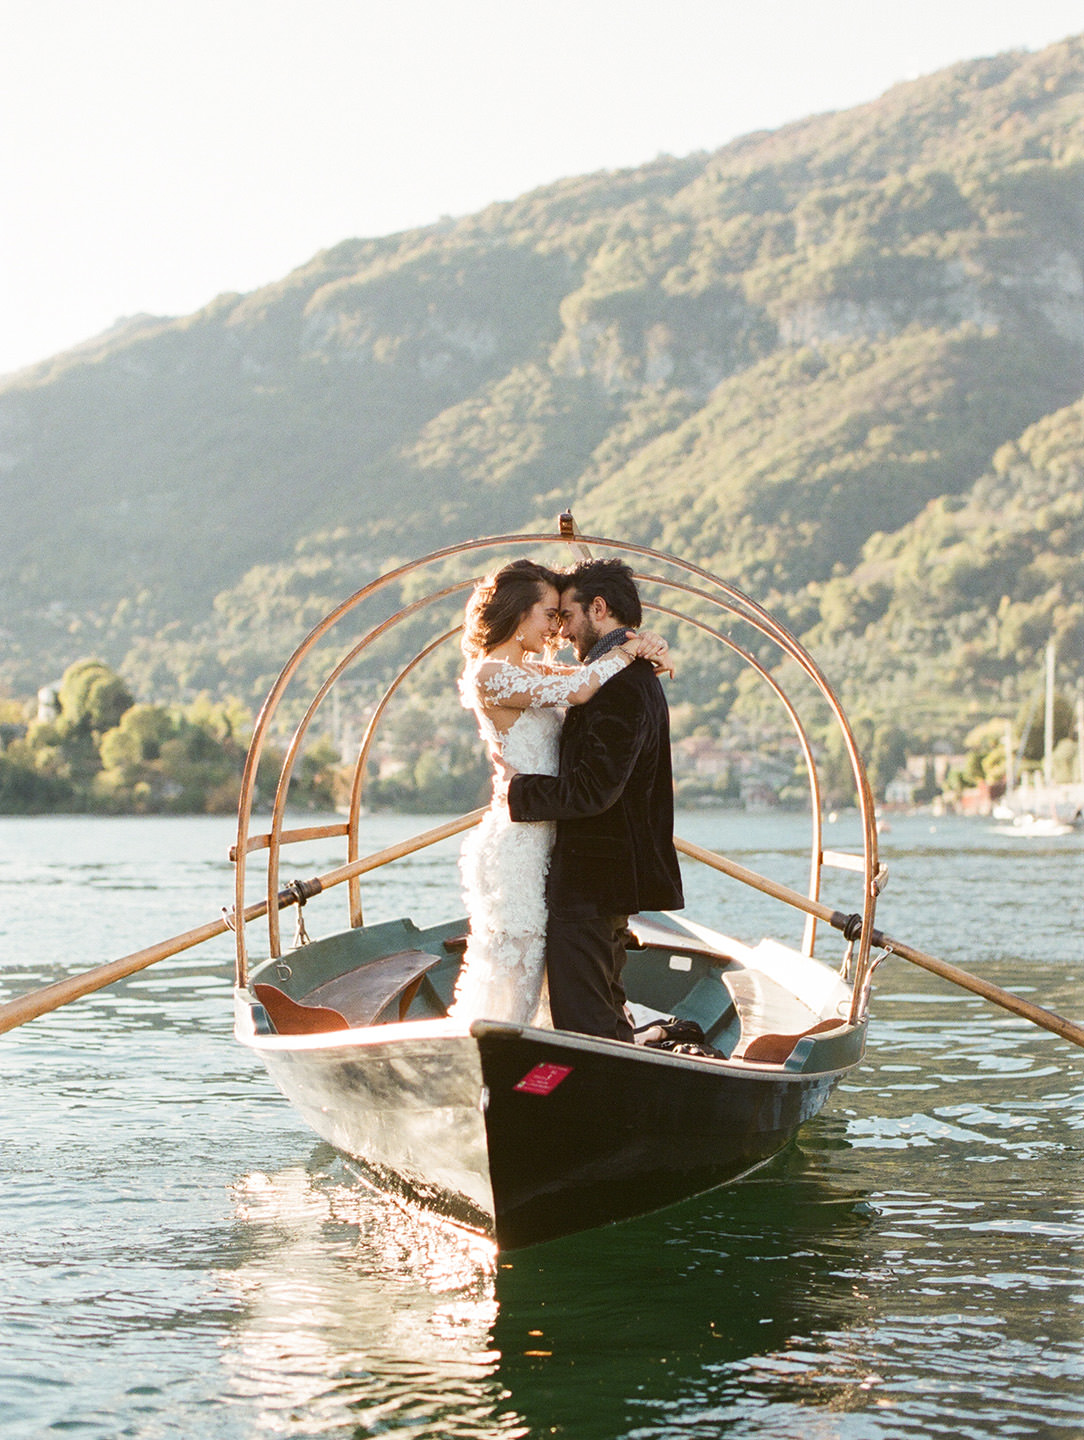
(613, 801)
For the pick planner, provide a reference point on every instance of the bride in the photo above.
(513, 619)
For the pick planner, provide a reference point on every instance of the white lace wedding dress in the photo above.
(503, 864)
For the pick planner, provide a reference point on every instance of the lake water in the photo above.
(180, 1257)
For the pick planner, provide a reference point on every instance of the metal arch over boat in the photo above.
(710, 589)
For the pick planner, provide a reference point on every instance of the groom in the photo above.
(613, 801)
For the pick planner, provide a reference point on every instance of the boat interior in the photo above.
(394, 973)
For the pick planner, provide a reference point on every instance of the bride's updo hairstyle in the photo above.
(499, 603)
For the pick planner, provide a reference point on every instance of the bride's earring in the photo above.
(519, 637)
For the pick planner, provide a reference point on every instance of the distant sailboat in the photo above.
(1024, 822)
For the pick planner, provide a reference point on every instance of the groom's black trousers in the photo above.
(585, 955)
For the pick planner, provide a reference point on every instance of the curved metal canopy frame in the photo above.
(709, 588)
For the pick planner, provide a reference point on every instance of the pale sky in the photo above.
(155, 153)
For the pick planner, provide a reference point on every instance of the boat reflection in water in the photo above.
(348, 1306)
(352, 1311)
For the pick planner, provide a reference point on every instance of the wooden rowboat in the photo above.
(519, 1133)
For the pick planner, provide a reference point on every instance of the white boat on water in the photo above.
(1039, 827)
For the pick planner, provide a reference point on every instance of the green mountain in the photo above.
(841, 362)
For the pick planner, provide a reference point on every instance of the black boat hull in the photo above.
(526, 1135)
(619, 1136)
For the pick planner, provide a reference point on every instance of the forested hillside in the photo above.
(842, 363)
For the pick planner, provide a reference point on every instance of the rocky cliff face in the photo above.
(762, 357)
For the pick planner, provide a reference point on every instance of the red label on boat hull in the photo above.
(543, 1079)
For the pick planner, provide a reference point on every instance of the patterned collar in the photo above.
(607, 643)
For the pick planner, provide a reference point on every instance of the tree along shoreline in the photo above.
(92, 749)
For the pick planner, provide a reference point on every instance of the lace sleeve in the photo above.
(500, 683)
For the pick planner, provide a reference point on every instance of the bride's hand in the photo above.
(651, 647)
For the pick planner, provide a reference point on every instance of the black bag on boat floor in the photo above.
(681, 1037)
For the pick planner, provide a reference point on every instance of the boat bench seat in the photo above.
(350, 1001)
(765, 1008)
(777, 1049)
(363, 995)
(290, 1017)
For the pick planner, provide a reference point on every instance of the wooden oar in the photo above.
(52, 997)
(1045, 1019)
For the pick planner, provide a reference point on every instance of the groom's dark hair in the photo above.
(609, 580)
